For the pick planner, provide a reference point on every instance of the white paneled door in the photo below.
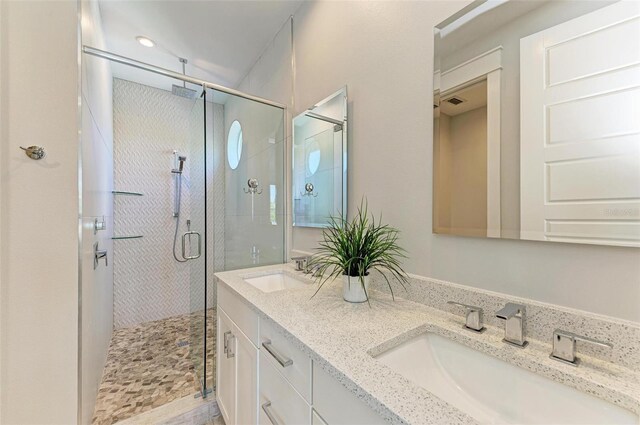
(580, 129)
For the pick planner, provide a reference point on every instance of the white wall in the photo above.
(383, 52)
(272, 78)
(468, 140)
(2, 154)
(97, 203)
(39, 253)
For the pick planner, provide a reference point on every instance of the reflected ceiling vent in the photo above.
(455, 101)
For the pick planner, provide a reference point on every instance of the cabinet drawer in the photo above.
(278, 399)
(242, 315)
(278, 349)
(339, 406)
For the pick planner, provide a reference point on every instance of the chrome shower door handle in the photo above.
(186, 236)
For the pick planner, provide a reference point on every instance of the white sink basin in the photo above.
(493, 391)
(274, 282)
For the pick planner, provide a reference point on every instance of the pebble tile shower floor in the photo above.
(150, 365)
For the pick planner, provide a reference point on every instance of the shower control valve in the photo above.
(99, 254)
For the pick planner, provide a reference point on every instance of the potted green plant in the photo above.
(351, 249)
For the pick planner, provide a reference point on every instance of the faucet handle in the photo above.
(564, 346)
(473, 320)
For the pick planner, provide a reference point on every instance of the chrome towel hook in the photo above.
(308, 190)
(34, 152)
(253, 187)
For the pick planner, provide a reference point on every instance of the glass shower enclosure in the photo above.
(233, 193)
(241, 176)
(237, 204)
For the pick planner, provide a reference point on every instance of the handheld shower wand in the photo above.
(181, 160)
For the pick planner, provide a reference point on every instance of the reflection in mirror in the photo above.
(319, 162)
(461, 190)
(536, 129)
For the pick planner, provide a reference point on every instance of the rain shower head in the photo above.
(184, 91)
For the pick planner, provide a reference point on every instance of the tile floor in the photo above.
(150, 365)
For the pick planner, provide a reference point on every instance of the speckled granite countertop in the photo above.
(342, 338)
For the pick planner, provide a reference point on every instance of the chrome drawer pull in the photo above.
(284, 361)
(266, 407)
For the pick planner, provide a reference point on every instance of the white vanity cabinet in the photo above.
(295, 390)
(264, 378)
(237, 360)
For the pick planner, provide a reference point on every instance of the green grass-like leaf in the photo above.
(355, 247)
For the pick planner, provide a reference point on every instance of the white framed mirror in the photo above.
(536, 129)
(320, 162)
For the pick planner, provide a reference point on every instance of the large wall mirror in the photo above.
(320, 162)
(537, 121)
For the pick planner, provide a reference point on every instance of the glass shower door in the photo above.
(194, 241)
(254, 204)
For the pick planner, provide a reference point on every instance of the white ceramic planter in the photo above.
(352, 290)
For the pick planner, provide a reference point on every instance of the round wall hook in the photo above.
(34, 152)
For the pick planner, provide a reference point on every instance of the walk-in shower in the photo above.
(170, 151)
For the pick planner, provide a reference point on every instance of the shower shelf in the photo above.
(119, 192)
(126, 237)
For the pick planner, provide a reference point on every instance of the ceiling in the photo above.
(473, 97)
(220, 39)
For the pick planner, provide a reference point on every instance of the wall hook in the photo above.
(34, 152)
(308, 190)
(253, 187)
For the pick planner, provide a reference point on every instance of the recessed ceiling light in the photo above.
(146, 42)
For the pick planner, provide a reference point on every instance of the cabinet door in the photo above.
(246, 355)
(226, 371)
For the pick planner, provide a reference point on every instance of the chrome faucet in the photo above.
(514, 327)
(473, 319)
(564, 346)
(301, 262)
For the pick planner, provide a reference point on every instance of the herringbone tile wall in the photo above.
(149, 124)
